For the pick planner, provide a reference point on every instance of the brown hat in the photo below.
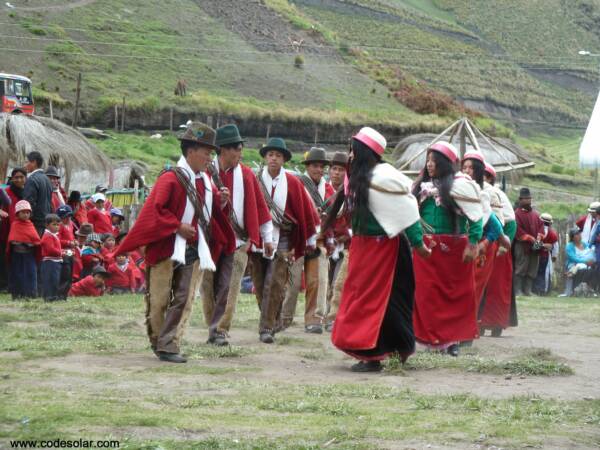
(200, 133)
(339, 159)
(316, 155)
(85, 229)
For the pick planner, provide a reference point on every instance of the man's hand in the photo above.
(268, 249)
(225, 196)
(470, 253)
(186, 231)
(423, 251)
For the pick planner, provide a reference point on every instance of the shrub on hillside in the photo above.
(299, 61)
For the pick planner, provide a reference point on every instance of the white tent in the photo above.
(589, 151)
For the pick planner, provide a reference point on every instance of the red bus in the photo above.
(15, 94)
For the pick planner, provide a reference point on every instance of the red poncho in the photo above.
(24, 232)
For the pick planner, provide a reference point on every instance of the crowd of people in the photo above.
(55, 245)
(385, 262)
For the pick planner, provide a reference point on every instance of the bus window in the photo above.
(23, 92)
(10, 87)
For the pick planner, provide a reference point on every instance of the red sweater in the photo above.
(101, 221)
(51, 249)
(124, 279)
(77, 263)
(66, 235)
(85, 288)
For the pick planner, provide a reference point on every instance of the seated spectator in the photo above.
(117, 218)
(108, 249)
(23, 249)
(91, 286)
(51, 264)
(81, 236)
(100, 189)
(91, 255)
(122, 278)
(99, 217)
(581, 258)
(68, 243)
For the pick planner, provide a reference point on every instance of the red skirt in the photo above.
(484, 272)
(498, 297)
(445, 308)
(366, 292)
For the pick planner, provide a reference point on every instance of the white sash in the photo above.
(237, 196)
(279, 197)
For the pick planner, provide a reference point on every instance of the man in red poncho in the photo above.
(530, 231)
(294, 234)
(177, 222)
(248, 214)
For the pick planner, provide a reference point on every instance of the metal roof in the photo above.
(14, 77)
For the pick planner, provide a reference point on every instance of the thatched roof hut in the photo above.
(60, 145)
(410, 153)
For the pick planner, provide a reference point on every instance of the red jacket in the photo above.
(550, 238)
(50, 246)
(160, 218)
(529, 225)
(86, 288)
(77, 263)
(79, 213)
(101, 221)
(256, 212)
(124, 279)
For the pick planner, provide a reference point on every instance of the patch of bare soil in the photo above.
(311, 359)
(264, 28)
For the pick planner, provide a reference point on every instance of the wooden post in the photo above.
(123, 115)
(116, 117)
(268, 131)
(51, 109)
(77, 96)
(316, 134)
(171, 119)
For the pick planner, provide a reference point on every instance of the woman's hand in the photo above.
(470, 253)
(423, 251)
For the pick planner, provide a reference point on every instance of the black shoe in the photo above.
(171, 357)
(453, 350)
(314, 329)
(266, 337)
(496, 332)
(220, 340)
(367, 366)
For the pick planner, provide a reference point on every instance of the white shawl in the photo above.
(237, 196)
(206, 262)
(586, 233)
(391, 200)
(279, 197)
(467, 195)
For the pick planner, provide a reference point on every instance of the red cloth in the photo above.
(498, 296)
(77, 263)
(89, 261)
(79, 213)
(116, 230)
(484, 272)
(300, 208)
(50, 246)
(10, 209)
(108, 256)
(101, 221)
(56, 201)
(24, 232)
(581, 221)
(160, 217)
(89, 204)
(329, 191)
(366, 293)
(550, 238)
(136, 260)
(528, 224)
(256, 211)
(66, 234)
(124, 279)
(86, 288)
(444, 309)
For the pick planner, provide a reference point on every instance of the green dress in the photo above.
(414, 233)
(438, 218)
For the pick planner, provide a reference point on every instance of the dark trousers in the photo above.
(220, 289)
(3, 268)
(22, 280)
(66, 277)
(49, 279)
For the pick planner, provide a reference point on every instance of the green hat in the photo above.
(278, 145)
(316, 155)
(228, 134)
(199, 133)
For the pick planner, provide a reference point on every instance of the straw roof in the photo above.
(57, 142)
(410, 153)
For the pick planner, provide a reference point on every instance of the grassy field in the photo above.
(82, 369)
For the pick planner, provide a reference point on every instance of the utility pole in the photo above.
(77, 96)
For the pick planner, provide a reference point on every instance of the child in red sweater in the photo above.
(51, 259)
(99, 217)
(122, 277)
(66, 235)
(23, 247)
(108, 249)
(91, 286)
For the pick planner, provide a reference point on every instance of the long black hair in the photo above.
(360, 172)
(444, 180)
(478, 171)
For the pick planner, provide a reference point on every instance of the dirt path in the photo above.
(311, 359)
(52, 7)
